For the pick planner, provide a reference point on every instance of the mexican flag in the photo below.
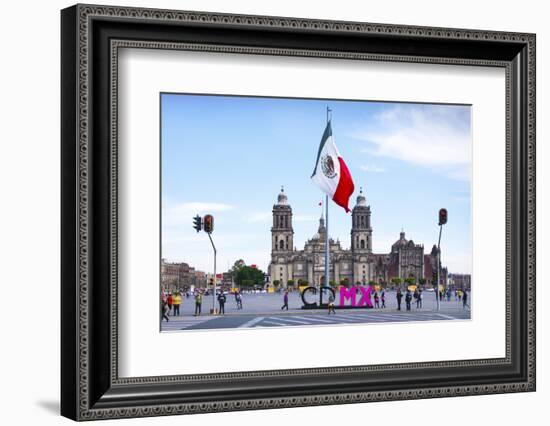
(331, 173)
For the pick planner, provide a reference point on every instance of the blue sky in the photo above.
(229, 156)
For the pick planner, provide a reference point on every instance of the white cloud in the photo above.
(436, 137)
(372, 168)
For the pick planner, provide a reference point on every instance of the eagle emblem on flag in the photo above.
(327, 165)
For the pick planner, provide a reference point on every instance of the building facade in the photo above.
(180, 275)
(356, 264)
(460, 281)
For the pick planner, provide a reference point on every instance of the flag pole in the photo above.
(327, 268)
(326, 247)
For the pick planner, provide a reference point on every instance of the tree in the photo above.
(238, 265)
(235, 268)
(276, 283)
(344, 282)
(422, 281)
(247, 283)
(410, 280)
(396, 281)
(332, 283)
(290, 283)
(247, 273)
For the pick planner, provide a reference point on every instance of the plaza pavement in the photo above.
(263, 310)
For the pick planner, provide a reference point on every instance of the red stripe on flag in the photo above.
(345, 186)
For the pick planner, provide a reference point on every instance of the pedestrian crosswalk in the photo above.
(183, 323)
(305, 319)
(344, 318)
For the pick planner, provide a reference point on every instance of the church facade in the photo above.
(358, 264)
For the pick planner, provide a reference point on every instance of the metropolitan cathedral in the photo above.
(358, 264)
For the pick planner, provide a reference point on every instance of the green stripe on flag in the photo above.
(326, 135)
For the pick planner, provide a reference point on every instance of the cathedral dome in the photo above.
(361, 200)
(402, 241)
(281, 199)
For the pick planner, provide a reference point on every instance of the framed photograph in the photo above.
(264, 212)
(266, 281)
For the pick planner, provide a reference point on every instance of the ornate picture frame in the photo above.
(91, 37)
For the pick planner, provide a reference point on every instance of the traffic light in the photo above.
(208, 222)
(197, 223)
(434, 277)
(442, 216)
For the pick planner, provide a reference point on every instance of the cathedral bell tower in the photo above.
(281, 231)
(361, 231)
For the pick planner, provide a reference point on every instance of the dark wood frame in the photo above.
(90, 386)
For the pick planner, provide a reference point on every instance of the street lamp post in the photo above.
(207, 223)
(442, 221)
(214, 289)
(438, 267)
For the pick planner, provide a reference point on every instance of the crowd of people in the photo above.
(415, 297)
(170, 302)
(409, 296)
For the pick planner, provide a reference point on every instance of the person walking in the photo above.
(331, 305)
(376, 300)
(176, 300)
(221, 301)
(408, 298)
(198, 303)
(419, 299)
(170, 301)
(399, 296)
(383, 298)
(465, 300)
(163, 311)
(285, 301)
(239, 300)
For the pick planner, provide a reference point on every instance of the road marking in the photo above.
(445, 316)
(351, 316)
(392, 317)
(346, 318)
(288, 319)
(251, 323)
(274, 323)
(325, 320)
(177, 323)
